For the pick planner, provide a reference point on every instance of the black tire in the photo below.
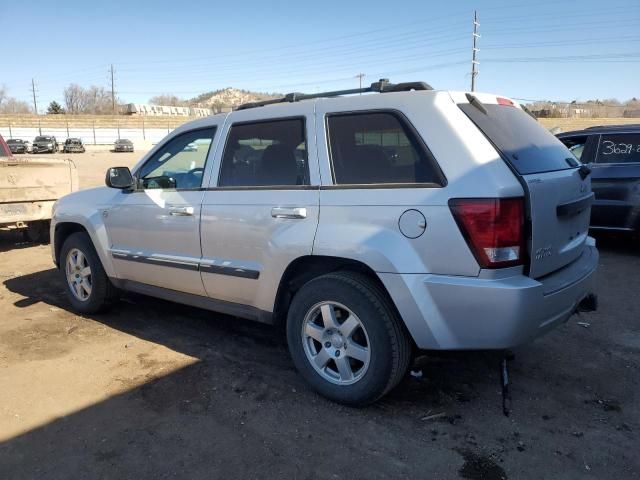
(103, 293)
(389, 345)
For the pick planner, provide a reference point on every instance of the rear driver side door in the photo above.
(261, 213)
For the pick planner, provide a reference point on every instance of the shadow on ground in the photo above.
(241, 411)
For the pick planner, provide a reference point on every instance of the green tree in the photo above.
(55, 108)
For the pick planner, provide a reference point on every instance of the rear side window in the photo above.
(575, 145)
(523, 142)
(621, 148)
(378, 148)
(265, 153)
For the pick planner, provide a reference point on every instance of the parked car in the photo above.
(73, 145)
(369, 226)
(28, 189)
(613, 154)
(17, 145)
(123, 145)
(45, 143)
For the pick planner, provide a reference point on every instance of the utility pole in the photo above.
(113, 92)
(33, 90)
(474, 62)
(360, 76)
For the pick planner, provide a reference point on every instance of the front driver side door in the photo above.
(154, 230)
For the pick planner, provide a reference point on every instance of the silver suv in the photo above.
(369, 226)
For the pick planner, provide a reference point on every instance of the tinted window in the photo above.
(621, 148)
(265, 153)
(378, 147)
(178, 163)
(524, 143)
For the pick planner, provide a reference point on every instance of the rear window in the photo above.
(620, 148)
(523, 142)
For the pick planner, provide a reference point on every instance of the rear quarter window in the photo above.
(521, 140)
(371, 148)
(619, 148)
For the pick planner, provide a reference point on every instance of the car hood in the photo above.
(90, 198)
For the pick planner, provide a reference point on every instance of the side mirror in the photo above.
(119, 177)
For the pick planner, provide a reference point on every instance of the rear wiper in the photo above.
(584, 171)
(473, 100)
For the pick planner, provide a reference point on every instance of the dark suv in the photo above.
(613, 153)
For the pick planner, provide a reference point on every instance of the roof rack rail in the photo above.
(381, 86)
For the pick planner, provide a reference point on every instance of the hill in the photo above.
(229, 98)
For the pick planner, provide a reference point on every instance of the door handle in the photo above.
(289, 212)
(181, 211)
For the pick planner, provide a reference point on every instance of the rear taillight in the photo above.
(493, 228)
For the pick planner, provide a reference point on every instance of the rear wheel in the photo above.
(88, 288)
(346, 339)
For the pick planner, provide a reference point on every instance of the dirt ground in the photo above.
(158, 390)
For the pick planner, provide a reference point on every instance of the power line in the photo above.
(562, 43)
(606, 57)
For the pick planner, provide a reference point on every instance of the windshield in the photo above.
(124, 141)
(43, 139)
(14, 140)
(524, 143)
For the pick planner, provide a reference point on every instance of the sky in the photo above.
(530, 50)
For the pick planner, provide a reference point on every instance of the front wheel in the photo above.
(345, 338)
(88, 288)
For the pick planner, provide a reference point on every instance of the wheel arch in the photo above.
(62, 231)
(305, 268)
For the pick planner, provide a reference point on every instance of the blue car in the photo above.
(613, 154)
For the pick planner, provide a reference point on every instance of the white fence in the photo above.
(89, 136)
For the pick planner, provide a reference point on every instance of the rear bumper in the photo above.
(17, 213)
(460, 313)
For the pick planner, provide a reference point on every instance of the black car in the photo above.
(45, 143)
(17, 145)
(123, 145)
(613, 153)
